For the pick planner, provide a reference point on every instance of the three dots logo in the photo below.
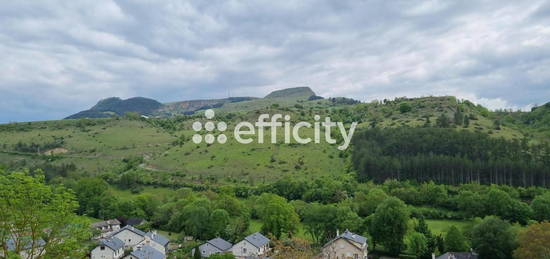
(209, 126)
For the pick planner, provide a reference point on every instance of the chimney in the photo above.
(433, 256)
(337, 232)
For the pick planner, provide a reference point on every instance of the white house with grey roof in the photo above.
(111, 248)
(344, 246)
(214, 246)
(131, 236)
(107, 227)
(148, 245)
(253, 246)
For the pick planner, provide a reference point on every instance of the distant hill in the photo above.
(189, 107)
(305, 92)
(116, 106)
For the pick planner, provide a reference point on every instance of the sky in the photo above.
(61, 57)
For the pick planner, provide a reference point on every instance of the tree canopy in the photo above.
(45, 213)
(388, 224)
(493, 238)
(533, 242)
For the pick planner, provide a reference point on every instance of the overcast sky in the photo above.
(60, 57)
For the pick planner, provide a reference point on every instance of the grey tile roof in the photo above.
(458, 255)
(354, 237)
(257, 239)
(130, 228)
(158, 238)
(220, 243)
(213, 246)
(147, 252)
(113, 243)
(349, 236)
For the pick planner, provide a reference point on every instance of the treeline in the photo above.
(449, 157)
(323, 206)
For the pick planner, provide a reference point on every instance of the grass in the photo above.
(442, 226)
(172, 236)
(159, 193)
(90, 220)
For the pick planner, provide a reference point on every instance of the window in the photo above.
(102, 248)
(355, 256)
(244, 250)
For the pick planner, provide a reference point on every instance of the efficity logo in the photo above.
(247, 132)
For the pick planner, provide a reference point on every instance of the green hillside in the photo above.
(162, 147)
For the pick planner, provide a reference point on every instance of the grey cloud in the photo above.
(59, 57)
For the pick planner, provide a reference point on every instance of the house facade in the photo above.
(255, 246)
(130, 236)
(111, 248)
(346, 246)
(214, 246)
(107, 227)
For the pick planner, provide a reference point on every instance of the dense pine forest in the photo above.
(449, 157)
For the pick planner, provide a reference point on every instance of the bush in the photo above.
(405, 107)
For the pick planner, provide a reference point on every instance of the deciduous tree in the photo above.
(388, 225)
(40, 218)
(455, 241)
(533, 242)
(277, 215)
(493, 238)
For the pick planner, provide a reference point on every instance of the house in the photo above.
(107, 226)
(214, 246)
(27, 248)
(111, 248)
(344, 246)
(148, 245)
(145, 252)
(255, 245)
(458, 255)
(156, 241)
(130, 236)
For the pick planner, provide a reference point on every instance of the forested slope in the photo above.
(449, 156)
